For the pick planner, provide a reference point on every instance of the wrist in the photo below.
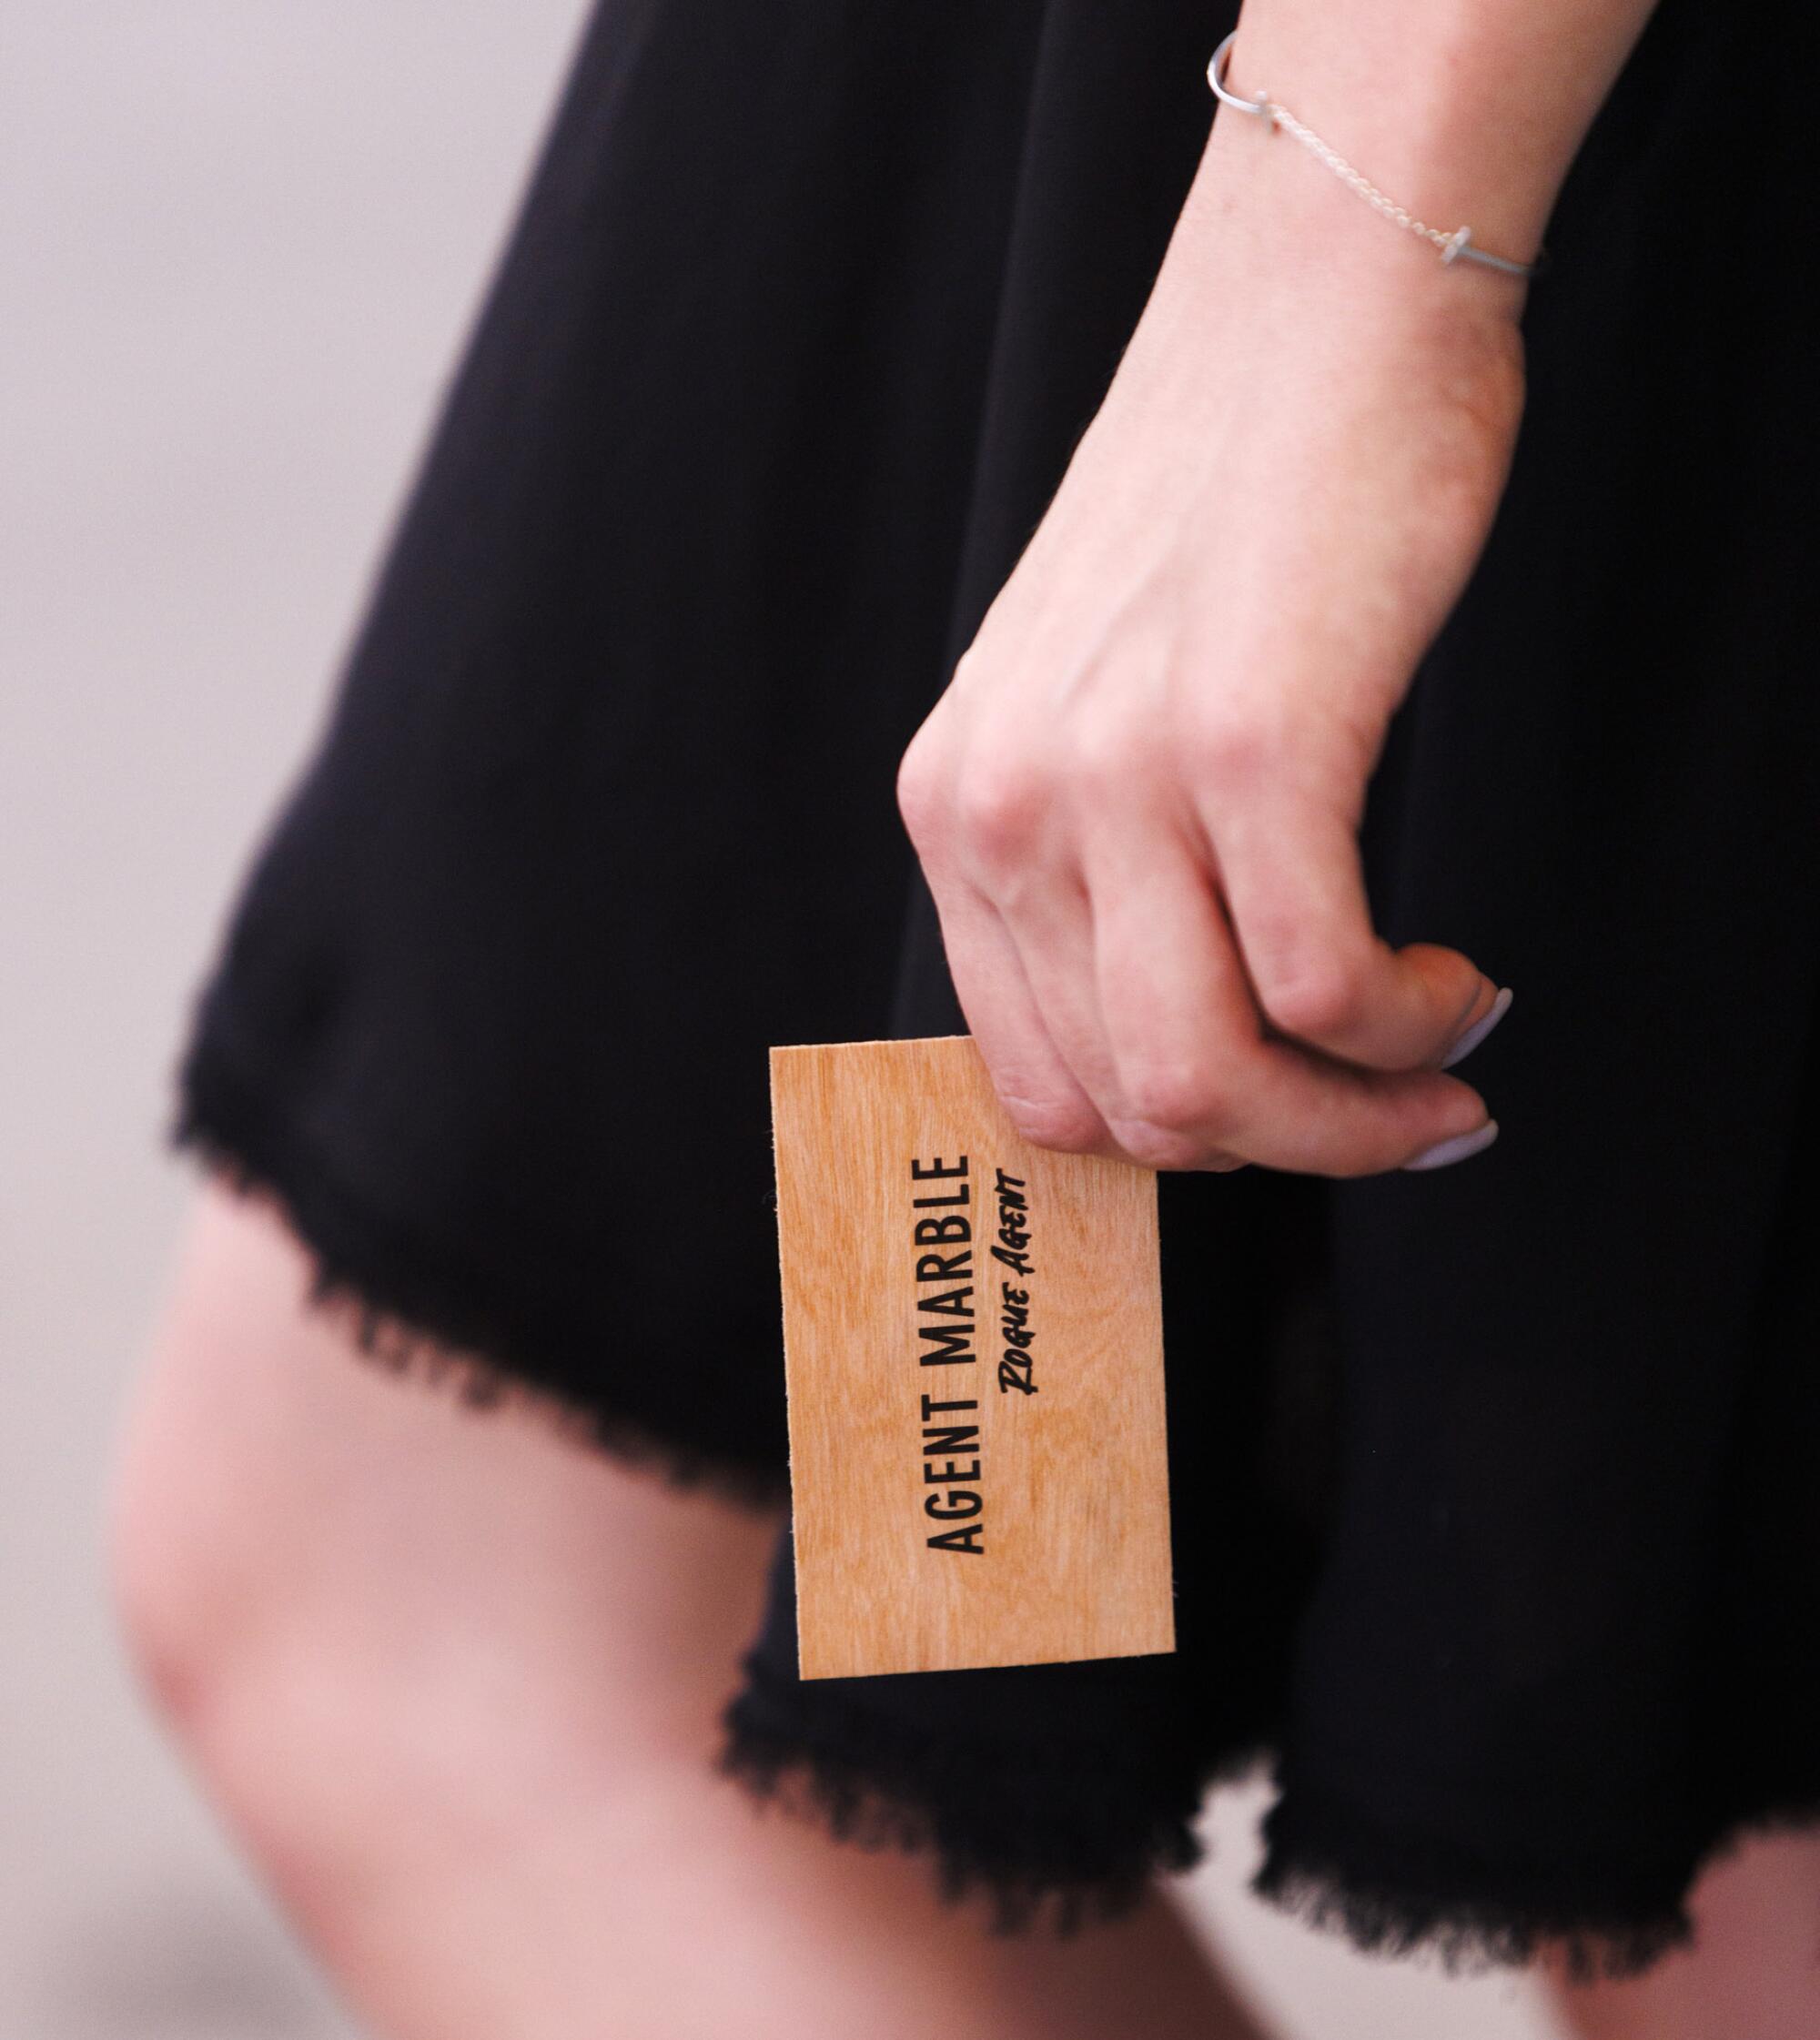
(1285, 184)
(1463, 114)
(1270, 238)
(1431, 102)
(1278, 281)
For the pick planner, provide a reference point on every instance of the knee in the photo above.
(193, 1520)
(227, 1555)
(375, 1619)
(278, 1682)
(180, 1559)
(358, 1607)
(198, 1588)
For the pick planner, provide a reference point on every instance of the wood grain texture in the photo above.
(921, 1542)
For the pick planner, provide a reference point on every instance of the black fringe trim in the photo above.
(1050, 1843)
(1412, 1908)
(400, 1312)
(1392, 1895)
(1045, 1833)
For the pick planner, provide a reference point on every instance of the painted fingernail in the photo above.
(1457, 1149)
(1477, 1031)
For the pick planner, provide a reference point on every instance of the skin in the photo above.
(1753, 1971)
(452, 1683)
(451, 1680)
(1137, 803)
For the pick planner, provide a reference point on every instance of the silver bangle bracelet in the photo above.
(1456, 247)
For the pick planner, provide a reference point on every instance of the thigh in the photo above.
(277, 1481)
(456, 1678)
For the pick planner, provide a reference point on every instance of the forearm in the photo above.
(1464, 111)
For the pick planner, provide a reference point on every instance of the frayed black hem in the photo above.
(1036, 1846)
(1037, 1856)
(1389, 1897)
(401, 1316)
(1058, 1849)
(1381, 1917)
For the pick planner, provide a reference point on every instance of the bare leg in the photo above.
(1753, 1973)
(453, 1683)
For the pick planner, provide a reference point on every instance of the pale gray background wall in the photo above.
(239, 240)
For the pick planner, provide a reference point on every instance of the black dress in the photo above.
(1496, 1512)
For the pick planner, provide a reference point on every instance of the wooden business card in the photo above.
(974, 1359)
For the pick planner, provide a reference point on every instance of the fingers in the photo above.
(1055, 926)
(1190, 1068)
(1172, 1003)
(1124, 1006)
(1294, 886)
(1035, 1082)
(1043, 1045)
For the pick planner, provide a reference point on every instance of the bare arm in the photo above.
(1138, 801)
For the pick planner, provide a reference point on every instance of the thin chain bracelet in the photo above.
(1455, 247)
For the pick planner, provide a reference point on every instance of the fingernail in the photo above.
(1457, 1149)
(1477, 1031)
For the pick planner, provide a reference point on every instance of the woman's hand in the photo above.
(1138, 801)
